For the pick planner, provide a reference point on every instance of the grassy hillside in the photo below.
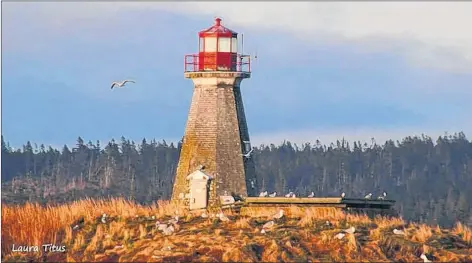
(130, 234)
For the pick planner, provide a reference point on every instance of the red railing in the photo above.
(210, 62)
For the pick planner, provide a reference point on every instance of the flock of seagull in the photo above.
(312, 195)
(171, 225)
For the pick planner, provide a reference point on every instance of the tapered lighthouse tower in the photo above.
(216, 150)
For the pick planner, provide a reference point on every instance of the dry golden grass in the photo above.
(422, 233)
(463, 231)
(301, 235)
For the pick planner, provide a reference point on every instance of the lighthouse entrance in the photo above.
(198, 184)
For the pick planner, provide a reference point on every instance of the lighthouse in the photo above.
(216, 154)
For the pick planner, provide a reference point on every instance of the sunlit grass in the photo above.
(301, 235)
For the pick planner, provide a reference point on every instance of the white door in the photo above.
(198, 193)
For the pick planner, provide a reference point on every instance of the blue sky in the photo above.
(353, 70)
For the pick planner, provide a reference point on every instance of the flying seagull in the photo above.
(120, 84)
(248, 154)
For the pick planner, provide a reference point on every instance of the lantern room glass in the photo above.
(210, 44)
(234, 45)
(224, 44)
(201, 44)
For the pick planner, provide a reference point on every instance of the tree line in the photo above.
(431, 181)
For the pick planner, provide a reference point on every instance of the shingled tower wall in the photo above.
(214, 135)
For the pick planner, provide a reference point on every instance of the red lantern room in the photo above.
(218, 51)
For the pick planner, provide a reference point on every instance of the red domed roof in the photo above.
(217, 30)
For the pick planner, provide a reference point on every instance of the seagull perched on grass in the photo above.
(104, 217)
(398, 232)
(274, 194)
(168, 231)
(424, 258)
(174, 220)
(369, 196)
(160, 227)
(279, 215)
(350, 230)
(121, 84)
(267, 226)
(222, 217)
(311, 195)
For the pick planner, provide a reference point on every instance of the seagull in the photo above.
(204, 215)
(343, 195)
(174, 220)
(398, 232)
(160, 226)
(168, 231)
(263, 194)
(294, 196)
(75, 227)
(350, 230)
(340, 235)
(311, 195)
(328, 223)
(289, 194)
(248, 154)
(424, 258)
(222, 217)
(269, 224)
(120, 84)
(279, 215)
(252, 184)
(168, 248)
(104, 216)
(382, 197)
(369, 196)
(273, 194)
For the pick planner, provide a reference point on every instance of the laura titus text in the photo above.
(45, 248)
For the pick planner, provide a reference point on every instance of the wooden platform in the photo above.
(320, 202)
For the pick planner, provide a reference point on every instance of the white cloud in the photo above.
(428, 34)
